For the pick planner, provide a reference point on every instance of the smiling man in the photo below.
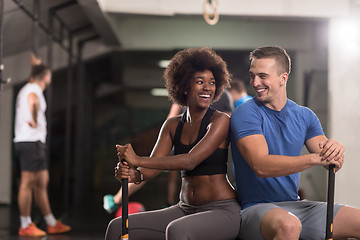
(268, 133)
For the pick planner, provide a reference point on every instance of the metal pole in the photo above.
(1, 46)
(330, 203)
(2, 81)
(50, 39)
(81, 164)
(125, 209)
(35, 35)
(49, 90)
(79, 160)
(68, 131)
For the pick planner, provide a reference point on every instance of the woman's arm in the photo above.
(162, 147)
(217, 133)
(122, 170)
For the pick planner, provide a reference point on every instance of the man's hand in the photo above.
(332, 151)
(34, 60)
(32, 123)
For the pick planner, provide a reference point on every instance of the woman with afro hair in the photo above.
(208, 208)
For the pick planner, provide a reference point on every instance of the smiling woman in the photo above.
(194, 60)
(195, 78)
(202, 86)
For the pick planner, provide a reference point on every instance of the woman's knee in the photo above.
(113, 230)
(176, 230)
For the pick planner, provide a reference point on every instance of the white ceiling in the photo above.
(278, 8)
(105, 17)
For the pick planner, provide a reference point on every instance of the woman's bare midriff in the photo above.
(199, 190)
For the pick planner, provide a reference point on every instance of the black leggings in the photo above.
(218, 220)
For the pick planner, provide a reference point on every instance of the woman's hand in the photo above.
(127, 153)
(123, 170)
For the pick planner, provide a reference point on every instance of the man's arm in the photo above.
(329, 149)
(34, 60)
(255, 151)
(34, 108)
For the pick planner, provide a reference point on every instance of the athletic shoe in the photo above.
(109, 205)
(31, 231)
(58, 228)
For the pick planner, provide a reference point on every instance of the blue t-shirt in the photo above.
(286, 132)
(241, 100)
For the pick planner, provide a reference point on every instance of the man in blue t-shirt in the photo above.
(268, 133)
(238, 92)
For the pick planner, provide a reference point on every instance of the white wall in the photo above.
(5, 145)
(344, 99)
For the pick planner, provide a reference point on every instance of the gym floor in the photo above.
(89, 221)
(86, 225)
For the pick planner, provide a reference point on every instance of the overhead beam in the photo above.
(40, 25)
(99, 20)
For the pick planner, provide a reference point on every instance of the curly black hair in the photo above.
(186, 63)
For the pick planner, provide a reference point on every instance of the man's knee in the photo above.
(27, 182)
(41, 185)
(290, 227)
(42, 179)
(281, 224)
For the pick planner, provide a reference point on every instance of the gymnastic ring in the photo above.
(213, 18)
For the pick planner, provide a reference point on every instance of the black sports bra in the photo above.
(216, 163)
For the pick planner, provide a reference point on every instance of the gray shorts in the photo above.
(32, 155)
(213, 221)
(312, 216)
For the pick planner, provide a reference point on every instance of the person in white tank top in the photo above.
(30, 138)
(30, 121)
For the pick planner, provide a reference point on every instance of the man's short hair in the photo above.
(39, 71)
(278, 53)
